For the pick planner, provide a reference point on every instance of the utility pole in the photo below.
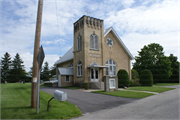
(36, 50)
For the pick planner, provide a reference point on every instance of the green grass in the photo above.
(127, 94)
(72, 87)
(165, 84)
(151, 89)
(16, 104)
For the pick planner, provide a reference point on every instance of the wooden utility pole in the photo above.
(36, 50)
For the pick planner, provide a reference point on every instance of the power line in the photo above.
(58, 27)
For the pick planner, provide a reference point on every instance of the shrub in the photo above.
(123, 78)
(146, 78)
(134, 83)
(86, 85)
(134, 74)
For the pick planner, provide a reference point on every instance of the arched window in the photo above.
(79, 43)
(70, 65)
(111, 69)
(94, 44)
(79, 68)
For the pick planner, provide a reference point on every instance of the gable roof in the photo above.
(69, 55)
(66, 57)
(66, 71)
(119, 40)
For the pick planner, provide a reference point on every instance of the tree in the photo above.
(53, 71)
(45, 72)
(175, 69)
(134, 75)
(5, 66)
(17, 72)
(162, 70)
(146, 78)
(123, 78)
(30, 72)
(148, 58)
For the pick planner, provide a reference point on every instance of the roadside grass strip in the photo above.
(127, 94)
(140, 91)
(165, 84)
(16, 104)
(151, 89)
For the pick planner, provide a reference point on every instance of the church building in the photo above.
(97, 52)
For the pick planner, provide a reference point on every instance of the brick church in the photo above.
(97, 52)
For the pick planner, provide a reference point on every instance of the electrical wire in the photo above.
(58, 27)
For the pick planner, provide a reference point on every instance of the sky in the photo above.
(137, 22)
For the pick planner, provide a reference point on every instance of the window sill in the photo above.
(78, 50)
(79, 76)
(67, 81)
(94, 49)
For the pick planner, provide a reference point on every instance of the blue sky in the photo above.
(137, 22)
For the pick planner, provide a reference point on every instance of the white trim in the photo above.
(79, 65)
(59, 80)
(108, 65)
(110, 83)
(69, 78)
(95, 80)
(120, 41)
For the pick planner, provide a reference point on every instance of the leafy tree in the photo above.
(134, 75)
(146, 78)
(17, 72)
(5, 66)
(123, 78)
(175, 68)
(45, 72)
(148, 59)
(162, 70)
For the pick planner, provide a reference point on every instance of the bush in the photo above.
(134, 83)
(123, 78)
(86, 85)
(146, 78)
(134, 74)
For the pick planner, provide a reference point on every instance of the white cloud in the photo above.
(151, 21)
(161, 17)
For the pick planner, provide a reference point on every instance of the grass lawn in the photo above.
(127, 94)
(165, 84)
(151, 89)
(16, 104)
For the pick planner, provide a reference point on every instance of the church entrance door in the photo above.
(94, 75)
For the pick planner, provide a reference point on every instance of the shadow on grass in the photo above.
(27, 107)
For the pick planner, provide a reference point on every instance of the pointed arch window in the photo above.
(79, 43)
(94, 44)
(79, 68)
(111, 69)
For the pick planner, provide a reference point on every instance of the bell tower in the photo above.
(88, 46)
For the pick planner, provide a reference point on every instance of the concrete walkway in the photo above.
(90, 90)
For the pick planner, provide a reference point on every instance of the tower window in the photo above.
(79, 43)
(94, 44)
(79, 68)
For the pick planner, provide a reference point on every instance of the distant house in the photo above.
(96, 52)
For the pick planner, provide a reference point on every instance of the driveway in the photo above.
(90, 102)
(164, 106)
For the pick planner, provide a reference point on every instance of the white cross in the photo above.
(87, 12)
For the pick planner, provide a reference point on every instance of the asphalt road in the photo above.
(90, 102)
(161, 106)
